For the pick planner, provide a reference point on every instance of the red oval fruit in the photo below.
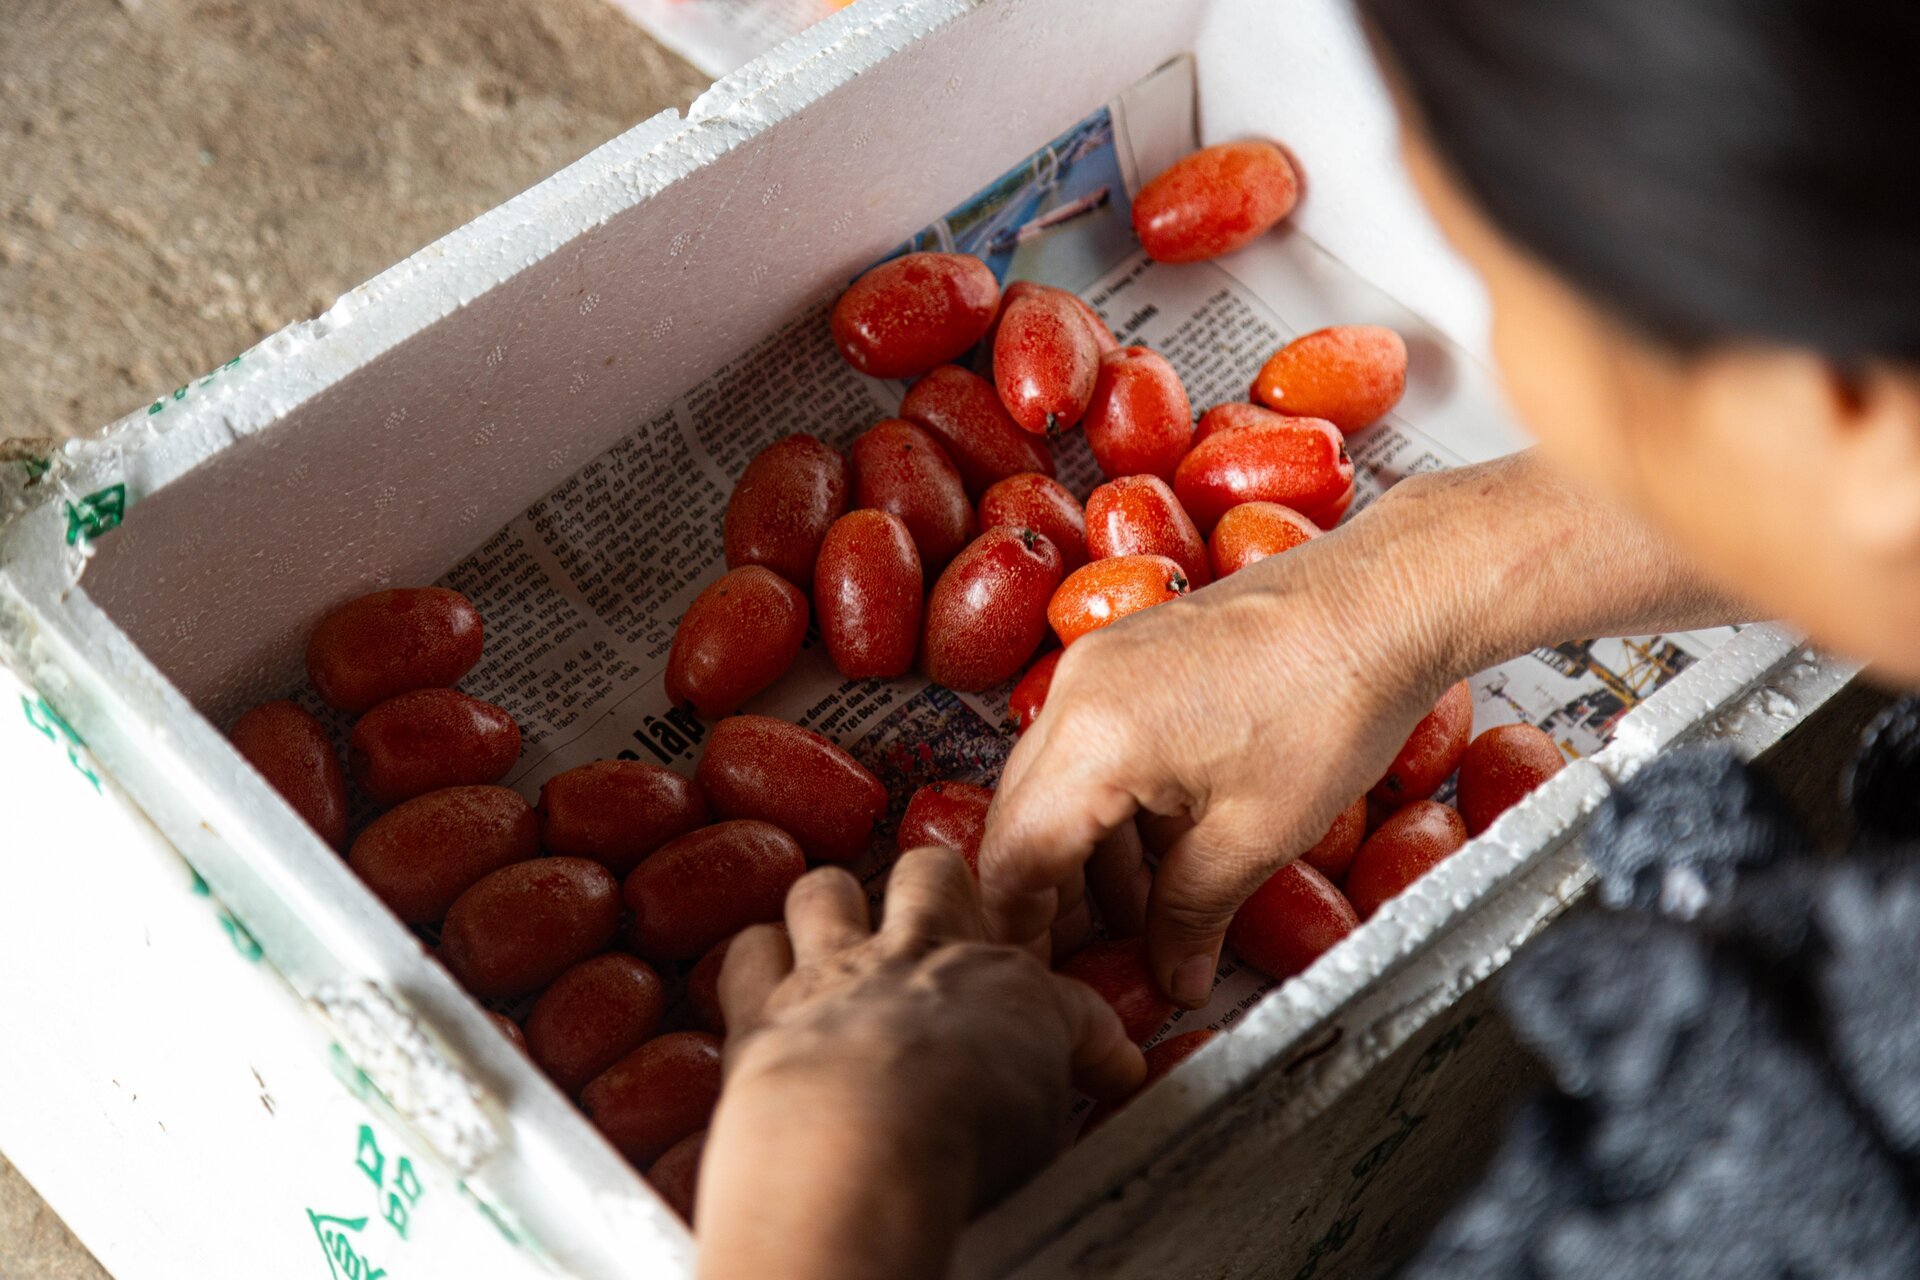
(292, 751)
(676, 1174)
(903, 470)
(988, 612)
(1334, 853)
(759, 767)
(1105, 591)
(868, 591)
(657, 1095)
(703, 987)
(617, 811)
(1161, 1060)
(1031, 693)
(782, 505)
(1297, 462)
(1290, 920)
(428, 739)
(710, 885)
(1214, 201)
(391, 642)
(963, 412)
(1139, 422)
(509, 1028)
(1044, 505)
(1408, 845)
(1045, 362)
(911, 313)
(520, 927)
(736, 638)
(1351, 375)
(425, 853)
(1233, 415)
(1501, 768)
(1118, 970)
(592, 1016)
(1432, 751)
(1139, 516)
(951, 815)
(1253, 531)
(1103, 338)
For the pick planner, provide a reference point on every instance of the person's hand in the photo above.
(881, 1086)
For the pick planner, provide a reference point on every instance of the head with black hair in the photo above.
(1699, 222)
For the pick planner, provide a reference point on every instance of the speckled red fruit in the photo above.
(951, 815)
(782, 506)
(1043, 504)
(1139, 516)
(519, 928)
(903, 470)
(988, 612)
(736, 638)
(1045, 362)
(1214, 201)
(710, 885)
(593, 1015)
(425, 853)
(759, 767)
(1030, 694)
(617, 811)
(1161, 1060)
(1297, 462)
(676, 1174)
(660, 1093)
(1139, 422)
(1103, 337)
(1253, 531)
(911, 313)
(703, 989)
(963, 412)
(1408, 845)
(867, 589)
(1351, 375)
(1334, 852)
(1105, 591)
(1501, 768)
(292, 751)
(422, 741)
(379, 645)
(1432, 751)
(1233, 415)
(1118, 970)
(1290, 921)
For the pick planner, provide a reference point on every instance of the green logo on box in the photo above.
(337, 1237)
(96, 513)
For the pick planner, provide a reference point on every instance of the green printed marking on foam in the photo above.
(96, 513)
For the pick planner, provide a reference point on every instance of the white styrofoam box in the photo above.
(380, 442)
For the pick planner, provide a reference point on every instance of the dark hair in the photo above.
(1707, 170)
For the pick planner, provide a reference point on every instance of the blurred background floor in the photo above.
(180, 178)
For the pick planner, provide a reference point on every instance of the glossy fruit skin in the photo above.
(1500, 768)
(1105, 591)
(509, 1028)
(1408, 845)
(868, 592)
(988, 611)
(961, 410)
(1045, 362)
(1030, 695)
(1161, 1060)
(428, 739)
(1139, 422)
(1253, 531)
(391, 642)
(292, 751)
(422, 855)
(782, 505)
(710, 885)
(1103, 339)
(1139, 516)
(1290, 921)
(703, 989)
(520, 927)
(1118, 970)
(1297, 462)
(736, 638)
(1432, 751)
(1351, 375)
(913, 312)
(593, 1015)
(903, 470)
(617, 811)
(657, 1095)
(676, 1174)
(1235, 414)
(1333, 854)
(1043, 504)
(773, 771)
(950, 815)
(1214, 201)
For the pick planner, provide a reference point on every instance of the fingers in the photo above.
(758, 960)
(1039, 833)
(1119, 880)
(932, 895)
(826, 912)
(1072, 919)
(1105, 1063)
(1202, 880)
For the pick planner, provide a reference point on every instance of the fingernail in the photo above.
(1193, 981)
